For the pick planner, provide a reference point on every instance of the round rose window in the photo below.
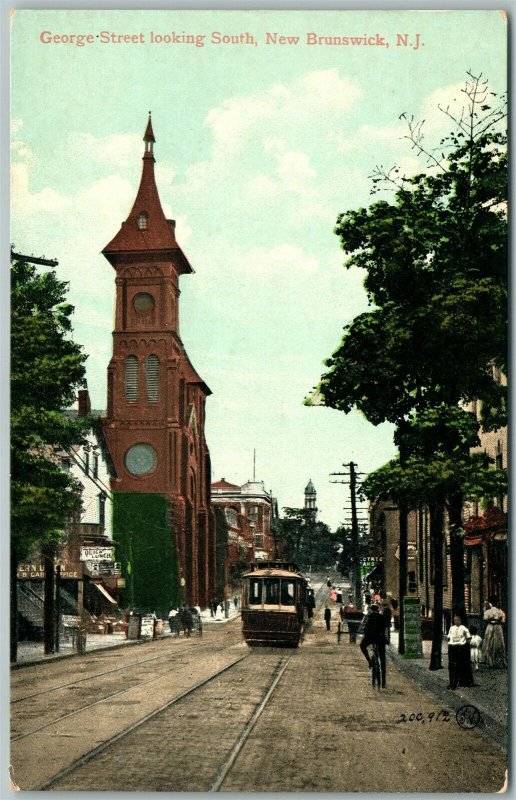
(143, 301)
(141, 459)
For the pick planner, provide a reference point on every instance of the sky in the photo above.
(260, 144)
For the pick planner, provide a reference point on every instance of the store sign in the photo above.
(34, 571)
(97, 553)
(412, 627)
(70, 570)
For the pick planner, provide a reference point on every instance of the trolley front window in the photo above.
(287, 593)
(272, 591)
(255, 593)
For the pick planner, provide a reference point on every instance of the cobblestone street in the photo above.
(318, 732)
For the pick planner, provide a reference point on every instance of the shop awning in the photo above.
(105, 593)
(471, 541)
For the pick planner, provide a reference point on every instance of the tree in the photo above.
(436, 275)
(438, 467)
(306, 541)
(46, 369)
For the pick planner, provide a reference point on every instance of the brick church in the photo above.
(154, 428)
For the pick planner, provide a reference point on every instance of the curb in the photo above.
(489, 728)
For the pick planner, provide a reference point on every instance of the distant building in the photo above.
(311, 500)
(249, 513)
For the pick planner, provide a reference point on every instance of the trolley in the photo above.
(273, 604)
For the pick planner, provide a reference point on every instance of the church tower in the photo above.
(154, 427)
(311, 499)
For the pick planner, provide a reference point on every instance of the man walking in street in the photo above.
(374, 633)
(327, 617)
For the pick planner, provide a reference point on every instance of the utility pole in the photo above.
(355, 544)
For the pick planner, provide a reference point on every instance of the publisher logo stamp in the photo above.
(468, 716)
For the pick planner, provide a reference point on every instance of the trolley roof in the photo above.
(288, 566)
(273, 572)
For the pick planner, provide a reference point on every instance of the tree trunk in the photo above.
(403, 522)
(437, 539)
(48, 602)
(457, 554)
(14, 608)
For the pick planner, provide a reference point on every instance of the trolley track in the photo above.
(73, 710)
(160, 658)
(166, 724)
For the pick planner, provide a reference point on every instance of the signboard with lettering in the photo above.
(412, 627)
(70, 620)
(30, 571)
(147, 626)
(97, 553)
(70, 570)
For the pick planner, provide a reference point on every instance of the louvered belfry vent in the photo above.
(131, 379)
(152, 377)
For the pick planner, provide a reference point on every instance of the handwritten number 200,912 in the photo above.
(442, 716)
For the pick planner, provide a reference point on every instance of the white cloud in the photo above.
(119, 149)
(275, 109)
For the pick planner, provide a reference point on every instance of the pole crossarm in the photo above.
(46, 262)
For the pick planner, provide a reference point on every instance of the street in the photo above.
(89, 723)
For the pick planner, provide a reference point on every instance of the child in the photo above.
(476, 647)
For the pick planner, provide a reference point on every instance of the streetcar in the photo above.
(273, 604)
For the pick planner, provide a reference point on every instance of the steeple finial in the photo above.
(148, 137)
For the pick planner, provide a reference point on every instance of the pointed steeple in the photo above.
(146, 228)
(149, 133)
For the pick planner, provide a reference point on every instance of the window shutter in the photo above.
(152, 377)
(131, 379)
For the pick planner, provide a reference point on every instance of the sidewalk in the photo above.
(490, 697)
(33, 652)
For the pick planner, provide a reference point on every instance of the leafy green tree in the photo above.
(435, 259)
(46, 369)
(308, 542)
(437, 469)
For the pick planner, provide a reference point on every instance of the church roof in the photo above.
(157, 232)
(310, 488)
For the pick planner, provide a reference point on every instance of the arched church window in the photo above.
(143, 221)
(152, 378)
(131, 379)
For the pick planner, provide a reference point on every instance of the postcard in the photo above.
(259, 401)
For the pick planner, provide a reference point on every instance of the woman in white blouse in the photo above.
(458, 653)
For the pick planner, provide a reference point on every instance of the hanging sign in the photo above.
(97, 553)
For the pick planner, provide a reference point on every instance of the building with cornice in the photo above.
(154, 426)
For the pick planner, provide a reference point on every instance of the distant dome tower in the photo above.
(311, 499)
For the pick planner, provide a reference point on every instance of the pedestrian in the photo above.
(333, 595)
(374, 633)
(494, 645)
(328, 581)
(339, 594)
(186, 621)
(172, 621)
(476, 647)
(342, 612)
(235, 602)
(458, 654)
(327, 617)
